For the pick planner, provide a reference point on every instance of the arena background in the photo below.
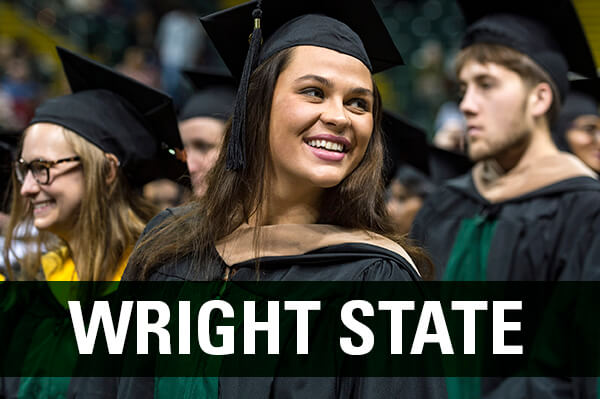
(125, 34)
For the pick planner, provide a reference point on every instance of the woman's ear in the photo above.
(113, 166)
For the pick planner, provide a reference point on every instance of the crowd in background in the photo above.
(152, 40)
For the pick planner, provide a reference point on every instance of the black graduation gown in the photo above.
(345, 262)
(544, 235)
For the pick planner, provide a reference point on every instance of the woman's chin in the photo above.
(326, 181)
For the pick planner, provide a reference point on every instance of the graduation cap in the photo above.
(408, 145)
(119, 115)
(214, 96)
(444, 164)
(583, 99)
(548, 31)
(352, 27)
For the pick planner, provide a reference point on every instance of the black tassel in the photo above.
(236, 149)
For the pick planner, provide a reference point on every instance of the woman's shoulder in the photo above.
(318, 252)
(368, 261)
(298, 239)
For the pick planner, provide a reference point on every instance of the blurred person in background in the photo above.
(405, 195)
(180, 41)
(526, 211)
(413, 166)
(202, 122)
(136, 66)
(165, 193)
(450, 128)
(406, 169)
(19, 80)
(577, 129)
(510, 95)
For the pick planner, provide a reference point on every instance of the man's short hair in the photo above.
(531, 73)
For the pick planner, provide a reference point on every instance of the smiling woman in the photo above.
(297, 193)
(56, 195)
(75, 179)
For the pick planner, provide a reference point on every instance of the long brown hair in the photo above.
(234, 196)
(109, 221)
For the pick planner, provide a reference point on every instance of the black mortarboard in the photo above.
(352, 27)
(214, 96)
(583, 99)
(120, 115)
(407, 144)
(548, 31)
(444, 164)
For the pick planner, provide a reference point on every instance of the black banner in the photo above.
(192, 329)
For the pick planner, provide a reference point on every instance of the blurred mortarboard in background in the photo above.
(548, 31)
(405, 142)
(352, 27)
(214, 95)
(583, 99)
(407, 145)
(119, 115)
(444, 164)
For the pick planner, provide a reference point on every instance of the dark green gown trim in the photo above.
(468, 258)
(468, 262)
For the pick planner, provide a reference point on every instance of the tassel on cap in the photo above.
(236, 150)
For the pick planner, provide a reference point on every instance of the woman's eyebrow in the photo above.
(327, 83)
(362, 91)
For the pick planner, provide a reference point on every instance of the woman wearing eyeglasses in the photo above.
(80, 160)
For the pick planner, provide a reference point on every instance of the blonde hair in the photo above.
(110, 220)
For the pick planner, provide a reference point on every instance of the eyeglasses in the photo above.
(40, 169)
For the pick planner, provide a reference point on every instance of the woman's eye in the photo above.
(313, 92)
(359, 103)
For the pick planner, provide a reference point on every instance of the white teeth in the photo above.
(41, 204)
(328, 145)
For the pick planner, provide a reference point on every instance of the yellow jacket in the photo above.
(59, 266)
